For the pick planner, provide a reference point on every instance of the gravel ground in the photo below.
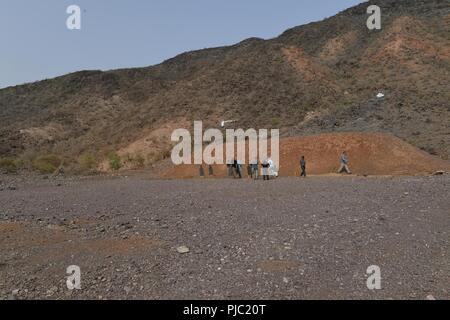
(283, 239)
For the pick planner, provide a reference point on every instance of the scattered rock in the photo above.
(144, 260)
(55, 227)
(183, 249)
(127, 290)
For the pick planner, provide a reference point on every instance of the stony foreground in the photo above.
(283, 239)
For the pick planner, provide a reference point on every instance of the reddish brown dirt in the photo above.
(369, 153)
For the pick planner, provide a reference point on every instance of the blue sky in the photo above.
(36, 44)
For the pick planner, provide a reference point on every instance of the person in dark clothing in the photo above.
(230, 169)
(249, 171)
(254, 169)
(265, 170)
(303, 167)
(237, 168)
(234, 166)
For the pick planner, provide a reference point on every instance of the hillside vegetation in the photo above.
(317, 78)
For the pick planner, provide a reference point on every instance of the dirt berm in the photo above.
(369, 153)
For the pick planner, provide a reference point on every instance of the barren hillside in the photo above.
(317, 78)
(370, 154)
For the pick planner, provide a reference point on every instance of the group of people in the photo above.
(267, 169)
(344, 161)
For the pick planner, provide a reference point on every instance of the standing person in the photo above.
(265, 170)
(201, 172)
(230, 168)
(344, 164)
(249, 170)
(237, 167)
(303, 167)
(254, 169)
(271, 168)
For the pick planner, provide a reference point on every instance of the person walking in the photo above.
(344, 164)
(303, 166)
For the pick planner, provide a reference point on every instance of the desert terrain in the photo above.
(288, 238)
(86, 176)
(371, 154)
(323, 77)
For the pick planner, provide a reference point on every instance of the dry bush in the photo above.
(87, 163)
(10, 165)
(46, 163)
(115, 162)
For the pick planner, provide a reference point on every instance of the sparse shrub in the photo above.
(9, 165)
(140, 160)
(128, 158)
(87, 162)
(166, 154)
(154, 140)
(19, 163)
(275, 122)
(430, 150)
(115, 163)
(47, 163)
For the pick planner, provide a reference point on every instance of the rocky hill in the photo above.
(372, 154)
(317, 78)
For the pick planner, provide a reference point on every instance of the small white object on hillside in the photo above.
(380, 95)
(224, 123)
